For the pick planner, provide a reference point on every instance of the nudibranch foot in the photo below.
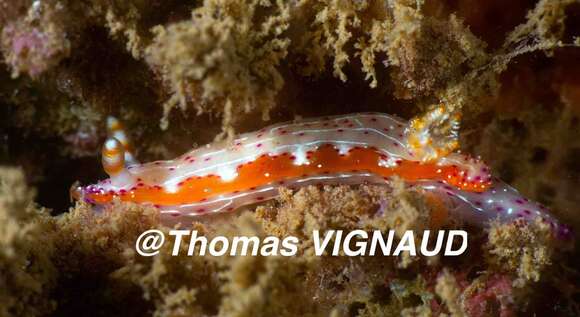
(348, 149)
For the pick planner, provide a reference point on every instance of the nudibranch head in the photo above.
(113, 159)
(116, 155)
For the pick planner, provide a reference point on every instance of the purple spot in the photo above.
(519, 201)
(564, 232)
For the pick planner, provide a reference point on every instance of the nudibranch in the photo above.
(348, 149)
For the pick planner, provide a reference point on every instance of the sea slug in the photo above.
(347, 149)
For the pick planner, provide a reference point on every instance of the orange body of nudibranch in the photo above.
(276, 169)
(351, 149)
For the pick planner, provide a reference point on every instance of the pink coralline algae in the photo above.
(31, 49)
(496, 293)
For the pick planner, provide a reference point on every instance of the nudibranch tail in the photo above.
(348, 149)
(501, 202)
